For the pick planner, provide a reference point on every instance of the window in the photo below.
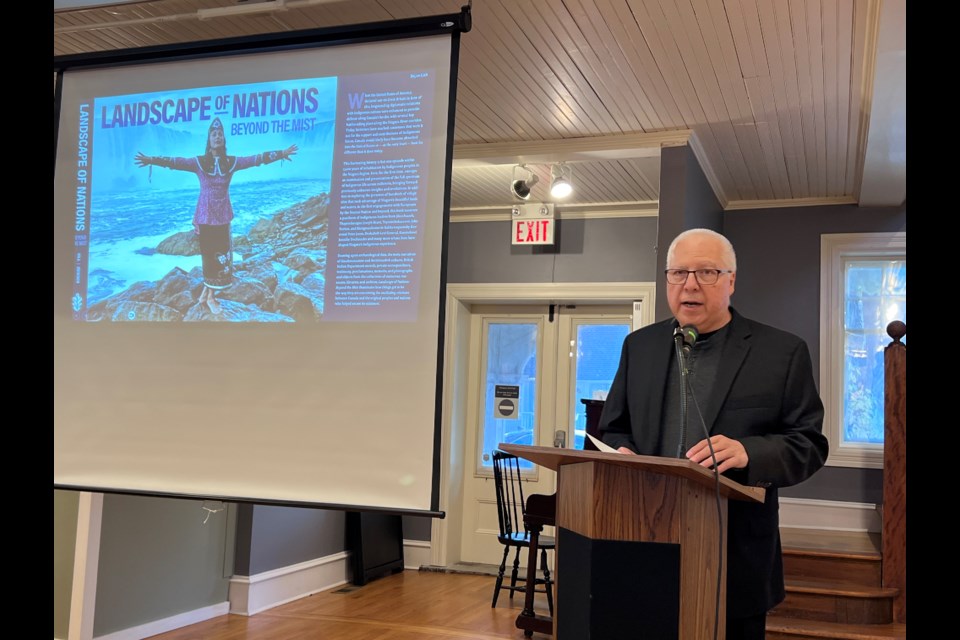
(863, 288)
(594, 355)
(510, 367)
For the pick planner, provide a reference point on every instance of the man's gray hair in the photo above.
(729, 255)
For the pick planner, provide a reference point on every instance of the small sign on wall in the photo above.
(506, 401)
(532, 224)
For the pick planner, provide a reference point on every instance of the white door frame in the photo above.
(445, 532)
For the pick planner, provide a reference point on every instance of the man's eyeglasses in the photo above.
(703, 276)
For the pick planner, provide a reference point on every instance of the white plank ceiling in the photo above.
(785, 102)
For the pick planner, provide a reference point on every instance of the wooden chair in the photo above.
(514, 534)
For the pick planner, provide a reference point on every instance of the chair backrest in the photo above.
(510, 502)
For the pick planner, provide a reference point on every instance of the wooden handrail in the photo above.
(894, 534)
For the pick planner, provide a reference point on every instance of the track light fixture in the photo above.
(521, 188)
(561, 186)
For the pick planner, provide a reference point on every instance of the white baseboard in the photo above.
(252, 594)
(169, 624)
(416, 553)
(802, 513)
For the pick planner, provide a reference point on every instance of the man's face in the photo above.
(703, 305)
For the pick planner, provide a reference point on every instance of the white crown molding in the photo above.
(701, 155)
(580, 211)
(169, 624)
(881, 154)
(868, 72)
(785, 203)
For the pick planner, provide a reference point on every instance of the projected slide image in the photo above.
(207, 204)
(249, 247)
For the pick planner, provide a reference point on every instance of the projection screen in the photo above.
(248, 276)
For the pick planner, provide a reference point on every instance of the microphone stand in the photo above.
(720, 525)
(678, 345)
(682, 348)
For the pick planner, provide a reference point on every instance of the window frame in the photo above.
(835, 251)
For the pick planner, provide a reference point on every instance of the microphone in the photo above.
(686, 336)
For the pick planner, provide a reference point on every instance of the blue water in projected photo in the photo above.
(123, 243)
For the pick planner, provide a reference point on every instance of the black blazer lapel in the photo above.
(734, 353)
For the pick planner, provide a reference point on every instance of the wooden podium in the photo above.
(638, 548)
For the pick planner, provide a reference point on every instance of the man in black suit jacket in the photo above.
(752, 384)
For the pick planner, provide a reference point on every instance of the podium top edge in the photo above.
(553, 458)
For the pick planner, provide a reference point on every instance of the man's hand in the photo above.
(626, 450)
(730, 454)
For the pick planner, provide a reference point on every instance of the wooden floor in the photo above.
(410, 605)
(426, 605)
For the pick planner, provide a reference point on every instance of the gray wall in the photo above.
(270, 537)
(416, 528)
(600, 250)
(158, 559)
(65, 509)
(778, 282)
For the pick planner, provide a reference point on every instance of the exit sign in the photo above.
(532, 224)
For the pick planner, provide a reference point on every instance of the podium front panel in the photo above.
(617, 589)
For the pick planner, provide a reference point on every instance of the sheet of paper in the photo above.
(601, 445)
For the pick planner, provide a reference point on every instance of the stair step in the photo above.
(840, 569)
(850, 542)
(839, 590)
(781, 628)
(830, 602)
(841, 557)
